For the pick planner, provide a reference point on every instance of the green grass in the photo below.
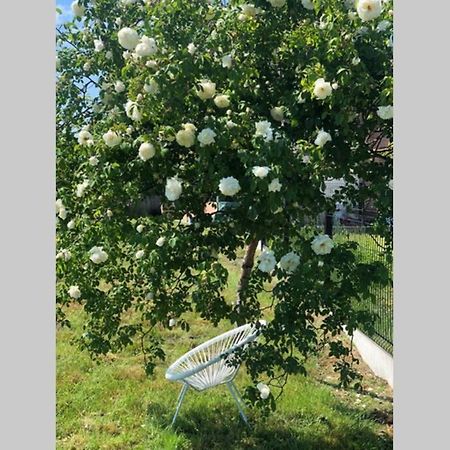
(113, 405)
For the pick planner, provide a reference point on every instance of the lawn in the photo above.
(113, 405)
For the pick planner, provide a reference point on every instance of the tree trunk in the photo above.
(246, 269)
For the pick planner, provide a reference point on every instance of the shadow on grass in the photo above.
(353, 389)
(220, 428)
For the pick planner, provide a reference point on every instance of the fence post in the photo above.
(329, 224)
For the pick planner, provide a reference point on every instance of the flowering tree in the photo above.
(255, 104)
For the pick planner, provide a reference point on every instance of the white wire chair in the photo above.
(209, 364)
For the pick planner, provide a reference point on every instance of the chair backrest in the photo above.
(212, 355)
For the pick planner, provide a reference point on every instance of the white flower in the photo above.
(140, 228)
(74, 292)
(109, 213)
(98, 255)
(85, 138)
(109, 54)
(249, 10)
(277, 3)
(173, 189)
(98, 45)
(77, 9)
(206, 90)
(132, 110)
(385, 112)
(356, 60)
(322, 138)
(93, 160)
(368, 9)
(264, 390)
(322, 88)
(335, 85)
(222, 101)
(230, 124)
(391, 185)
(146, 151)
(206, 137)
(172, 323)
(289, 262)
(383, 25)
(140, 254)
(112, 139)
(229, 186)
(152, 87)
(322, 244)
(186, 137)
(146, 47)
(64, 254)
(60, 209)
(308, 4)
(87, 66)
(267, 261)
(152, 64)
(71, 225)
(191, 48)
(264, 130)
(128, 38)
(160, 241)
(275, 185)
(119, 86)
(81, 188)
(277, 113)
(227, 61)
(260, 171)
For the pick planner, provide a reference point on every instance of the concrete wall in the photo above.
(379, 360)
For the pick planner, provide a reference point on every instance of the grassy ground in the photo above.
(112, 405)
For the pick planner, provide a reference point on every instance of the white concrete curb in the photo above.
(379, 360)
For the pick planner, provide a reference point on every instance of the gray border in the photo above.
(27, 331)
(27, 175)
(421, 267)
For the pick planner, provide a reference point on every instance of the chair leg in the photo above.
(238, 399)
(180, 401)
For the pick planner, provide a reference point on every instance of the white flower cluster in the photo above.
(132, 110)
(60, 209)
(111, 138)
(322, 244)
(277, 3)
(85, 138)
(206, 137)
(206, 89)
(368, 9)
(229, 186)
(98, 255)
(264, 390)
(64, 254)
(264, 130)
(385, 112)
(260, 171)
(322, 88)
(322, 138)
(289, 262)
(275, 185)
(173, 189)
(81, 188)
(267, 261)
(186, 136)
(146, 151)
(74, 292)
(143, 46)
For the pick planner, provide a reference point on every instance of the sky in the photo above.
(64, 6)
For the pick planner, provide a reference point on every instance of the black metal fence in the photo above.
(371, 248)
